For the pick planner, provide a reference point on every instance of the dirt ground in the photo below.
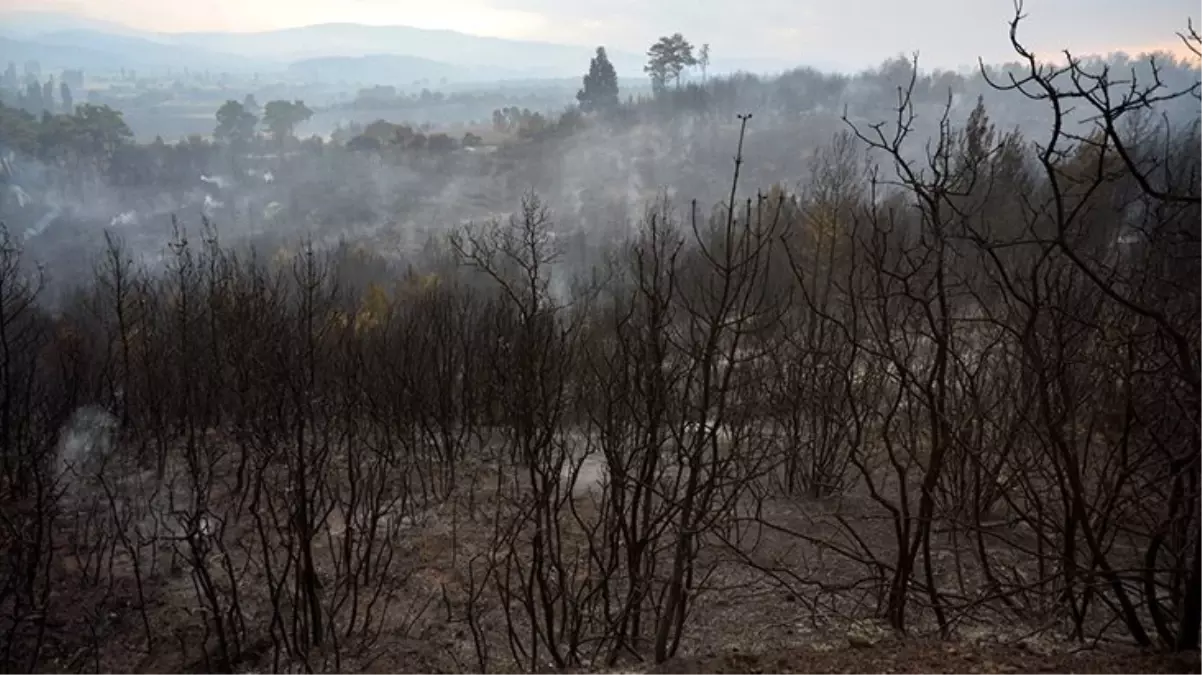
(887, 658)
(935, 657)
(745, 623)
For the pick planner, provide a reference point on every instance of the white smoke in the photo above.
(20, 196)
(44, 222)
(86, 441)
(220, 182)
(124, 218)
(211, 205)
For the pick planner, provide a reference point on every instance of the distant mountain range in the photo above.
(335, 51)
(99, 51)
(394, 69)
(33, 24)
(450, 47)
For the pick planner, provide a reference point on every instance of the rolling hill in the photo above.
(451, 47)
(30, 24)
(394, 69)
(338, 51)
(98, 50)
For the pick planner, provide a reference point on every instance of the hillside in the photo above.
(53, 56)
(887, 372)
(27, 24)
(100, 50)
(348, 39)
(395, 69)
(62, 40)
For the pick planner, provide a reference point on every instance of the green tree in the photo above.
(667, 59)
(281, 117)
(100, 130)
(703, 60)
(19, 129)
(600, 90)
(363, 142)
(387, 133)
(94, 134)
(440, 143)
(235, 124)
(58, 138)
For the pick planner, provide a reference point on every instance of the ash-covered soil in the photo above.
(922, 656)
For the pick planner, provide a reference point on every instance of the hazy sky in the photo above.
(849, 32)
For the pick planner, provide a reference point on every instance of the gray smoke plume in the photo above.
(86, 441)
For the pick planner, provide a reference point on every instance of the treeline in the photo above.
(94, 137)
(87, 133)
(998, 346)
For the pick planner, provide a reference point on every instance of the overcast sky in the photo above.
(850, 33)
